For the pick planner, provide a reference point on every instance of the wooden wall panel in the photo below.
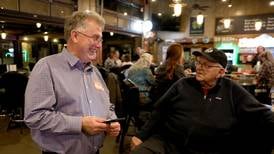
(110, 19)
(61, 10)
(9, 4)
(36, 7)
(123, 23)
(243, 7)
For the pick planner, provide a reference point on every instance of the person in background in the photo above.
(138, 52)
(259, 50)
(142, 76)
(265, 76)
(126, 60)
(190, 66)
(126, 63)
(206, 114)
(169, 72)
(66, 99)
(113, 60)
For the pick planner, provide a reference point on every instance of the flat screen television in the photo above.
(166, 22)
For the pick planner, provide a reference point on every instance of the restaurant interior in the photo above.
(33, 29)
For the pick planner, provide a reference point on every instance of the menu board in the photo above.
(245, 25)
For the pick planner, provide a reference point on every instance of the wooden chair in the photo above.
(132, 108)
(14, 84)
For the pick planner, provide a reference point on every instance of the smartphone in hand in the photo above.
(114, 120)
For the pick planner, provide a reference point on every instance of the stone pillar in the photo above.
(147, 16)
(147, 10)
(185, 17)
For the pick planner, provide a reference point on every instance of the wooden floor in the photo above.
(17, 141)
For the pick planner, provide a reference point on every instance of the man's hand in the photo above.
(92, 125)
(135, 141)
(113, 129)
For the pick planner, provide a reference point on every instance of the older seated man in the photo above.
(204, 114)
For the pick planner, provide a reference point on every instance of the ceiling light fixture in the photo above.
(111, 33)
(200, 18)
(25, 38)
(46, 38)
(38, 25)
(55, 40)
(177, 5)
(271, 3)
(3, 35)
(177, 9)
(230, 3)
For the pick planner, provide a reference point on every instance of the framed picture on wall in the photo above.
(195, 28)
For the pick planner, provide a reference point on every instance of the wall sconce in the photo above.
(46, 38)
(111, 33)
(227, 23)
(258, 25)
(200, 18)
(3, 35)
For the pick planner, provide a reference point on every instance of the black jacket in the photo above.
(221, 121)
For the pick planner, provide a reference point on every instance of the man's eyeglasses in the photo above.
(205, 65)
(94, 38)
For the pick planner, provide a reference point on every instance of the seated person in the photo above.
(170, 71)
(113, 60)
(126, 60)
(265, 76)
(205, 114)
(142, 76)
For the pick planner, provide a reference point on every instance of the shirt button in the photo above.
(90, 101)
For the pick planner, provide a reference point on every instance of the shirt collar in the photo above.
(75, 62)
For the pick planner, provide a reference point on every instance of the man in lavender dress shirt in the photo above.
(66, 99)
